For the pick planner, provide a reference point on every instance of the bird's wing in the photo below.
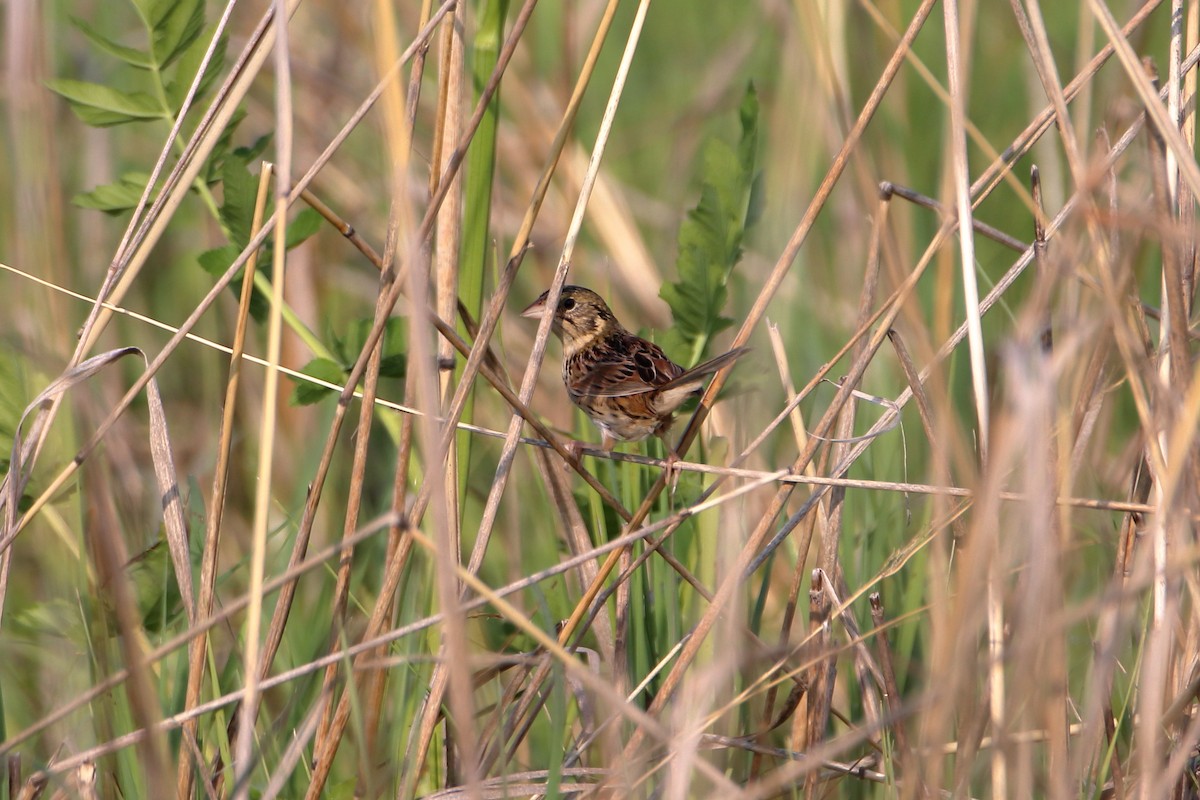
(708, 367)
(626, 367)
(672, 394)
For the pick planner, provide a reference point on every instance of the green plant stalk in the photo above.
(158, 81)
(477, 209)
(559, 734)
(293, 322)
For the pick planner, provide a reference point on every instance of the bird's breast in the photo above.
(630, 418)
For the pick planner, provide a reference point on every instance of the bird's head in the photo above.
(581, 317)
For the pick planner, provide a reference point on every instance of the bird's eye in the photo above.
(568, 304)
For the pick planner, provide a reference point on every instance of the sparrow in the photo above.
(625, 384)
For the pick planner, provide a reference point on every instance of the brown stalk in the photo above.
(242, 761)
(1024, 141)
(110, 555)
(980, 188)
(795, 417)
(771, 286)
(803, 549)
(887, 188)
(447, 237)
(448, 230)
(820, 679)
(474, 360)
(398, 551)
(891, 696)
(39, 427)
(828, 560)
(399, 136)
(399, 545)
(461, 736)
(1161, 661)
(366, 416)
(1174, 345)
(33, 788)
(812, 523)
(282, 608)
(13, 774)
(226, 612)
(996, 292)
(198, 649)
(452, 165)
(413, 94)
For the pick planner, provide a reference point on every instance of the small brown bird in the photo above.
(626, 385)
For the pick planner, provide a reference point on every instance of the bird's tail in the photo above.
(693, 375)
(672, 394)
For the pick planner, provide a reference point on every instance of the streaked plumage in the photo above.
(625, 384)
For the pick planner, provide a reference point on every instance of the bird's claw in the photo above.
(672, 472)
(574, 448)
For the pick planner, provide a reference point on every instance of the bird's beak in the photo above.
(536, 308)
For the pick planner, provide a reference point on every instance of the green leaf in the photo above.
(240, 189)
(393, 366)
(116, 197)
(175, 25)
(130, 55)
(189, 65)
(216, 160)
(216, 262)
(51, 618)
(102, 106)
(349, 347)
(255, 150)
(748, 145)
(240, 192)
(710, 239)
(306, 223)
(155, 588)
(305, 394)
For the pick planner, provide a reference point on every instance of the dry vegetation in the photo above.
(935, 537)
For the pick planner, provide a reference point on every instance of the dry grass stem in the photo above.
(444, 591)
